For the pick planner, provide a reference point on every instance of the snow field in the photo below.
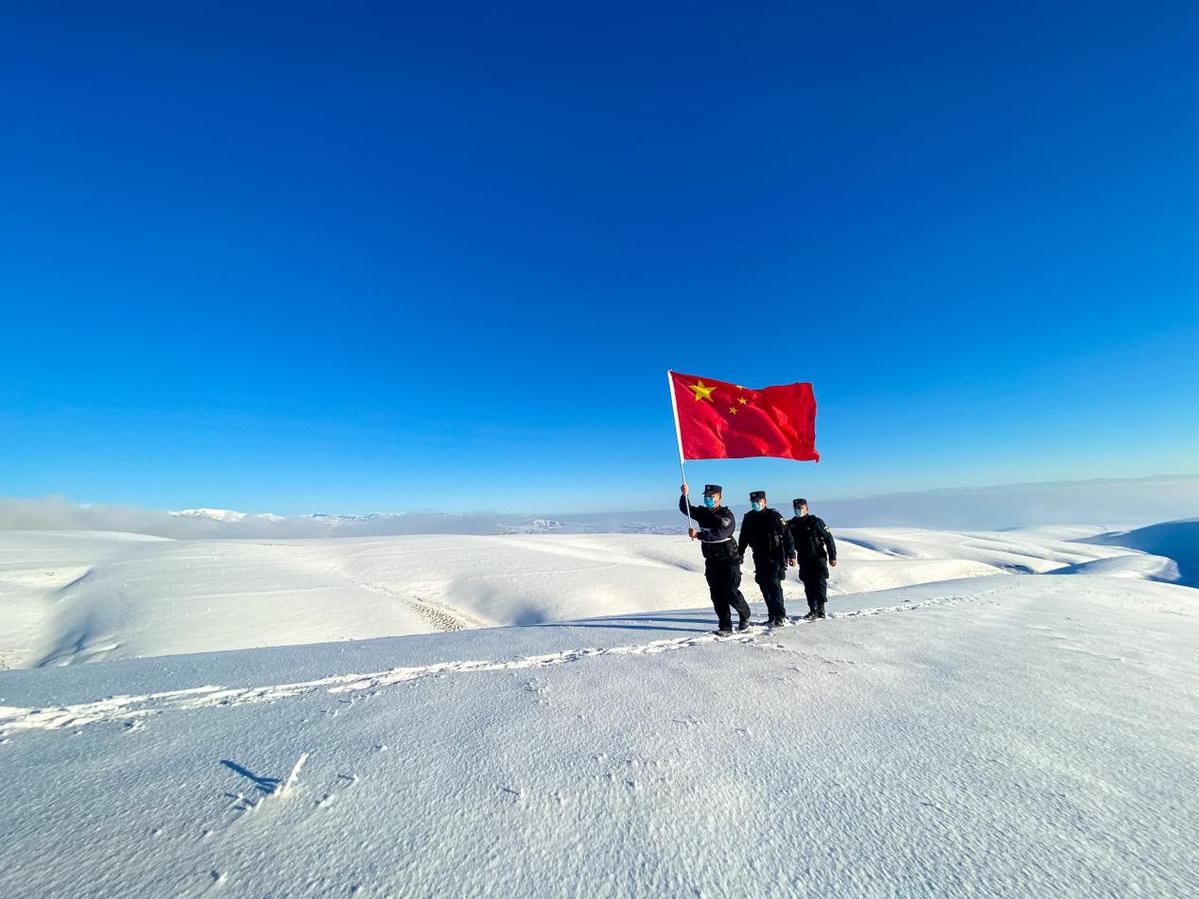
(1002, 736)
(988, 733)
(71, 598)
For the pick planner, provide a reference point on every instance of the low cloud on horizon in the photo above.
(1110, 502)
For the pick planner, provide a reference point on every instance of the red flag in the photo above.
(718, 420)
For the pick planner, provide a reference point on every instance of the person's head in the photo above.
(800, 506)
(757, 499)
(712, 496)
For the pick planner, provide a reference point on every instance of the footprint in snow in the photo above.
(330, 796)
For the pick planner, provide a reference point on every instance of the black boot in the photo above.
(811, 613)
(743, 625)
(820, 611)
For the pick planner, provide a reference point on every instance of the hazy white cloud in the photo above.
(57, 513)
(1117, 503)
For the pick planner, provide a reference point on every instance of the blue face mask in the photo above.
(758, 505)
(710, 502)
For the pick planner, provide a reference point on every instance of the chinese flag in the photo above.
(718, 420)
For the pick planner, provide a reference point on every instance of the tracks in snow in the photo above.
(132, 709)
(440, 616)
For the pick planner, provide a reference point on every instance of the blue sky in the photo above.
(354, 257)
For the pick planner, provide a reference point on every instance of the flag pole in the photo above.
(674, 405)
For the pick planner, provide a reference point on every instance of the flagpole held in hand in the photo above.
(674, 405)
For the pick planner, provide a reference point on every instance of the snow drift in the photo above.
(1177, 540)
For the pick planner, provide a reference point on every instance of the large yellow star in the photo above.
(702, 391)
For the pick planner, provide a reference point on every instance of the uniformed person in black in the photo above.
(722, 562)
(765, 532)
(816, 550)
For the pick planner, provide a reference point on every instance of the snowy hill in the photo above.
(38, 567)
(996, 733)
(212, 514)
(227, 516)
(79, 597)
(1177, 540)
(1005, 736)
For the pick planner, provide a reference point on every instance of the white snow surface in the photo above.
(75, 597)
(38, 567)
(994, 732)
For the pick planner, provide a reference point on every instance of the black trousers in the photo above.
(814, 575)
(770, 580)
(724, 582)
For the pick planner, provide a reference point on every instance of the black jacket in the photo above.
(813, 541)
(716, 527)
(768, 535)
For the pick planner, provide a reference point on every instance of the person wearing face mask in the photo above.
(722, 563)
(764, 530)
(816, 550)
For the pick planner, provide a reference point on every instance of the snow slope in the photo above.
(36, 568)
(75, 598)
(1178, 540)
(1000, 736)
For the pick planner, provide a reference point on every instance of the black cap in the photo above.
(756, 495)
(710, 489)
(799, 502)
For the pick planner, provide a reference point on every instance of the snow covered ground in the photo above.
(1178, 540)
(991, 732)
(39, 568)
(75, 596)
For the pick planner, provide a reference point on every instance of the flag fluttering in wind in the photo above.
(718, 420)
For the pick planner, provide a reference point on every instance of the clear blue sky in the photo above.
(356, 257)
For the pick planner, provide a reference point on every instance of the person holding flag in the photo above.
(722, 561)
(719, 420)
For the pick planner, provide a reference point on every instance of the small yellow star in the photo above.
(733, 410)
(702, 391)
(743, 401)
